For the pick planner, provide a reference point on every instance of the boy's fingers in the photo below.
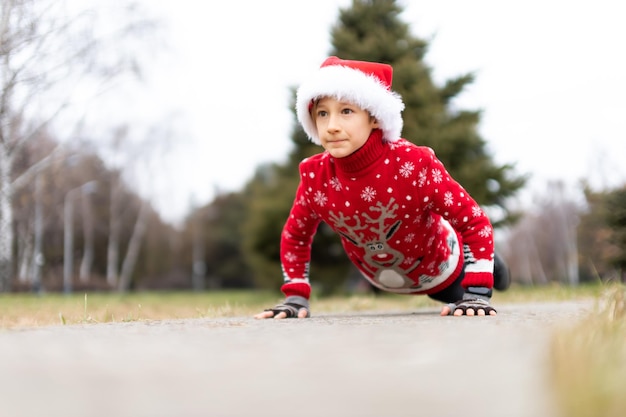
(302, 313)
(445, 311)
(264, 315)
(280, 315)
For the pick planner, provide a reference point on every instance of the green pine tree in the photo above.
(601, 235)
(616, 221)
(371, 30)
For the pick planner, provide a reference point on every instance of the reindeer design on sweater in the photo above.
(382, 263)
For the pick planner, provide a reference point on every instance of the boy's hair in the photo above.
(366, 84)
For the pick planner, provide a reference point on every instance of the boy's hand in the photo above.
(475, 302)
(268, 314)
(469, 307)
(294, 306)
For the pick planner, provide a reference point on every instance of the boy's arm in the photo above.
(457, 206)
(295, 254)
(295, 247)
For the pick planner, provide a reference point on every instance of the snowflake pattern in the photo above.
(320, 198)
(485, 232)
(477, 211)
(291, 257)
(409, 261)
(448, 198)
(335, 184)
(422, 179)
(395, 145)
(368, 194)
(437, 176)
(407, 169)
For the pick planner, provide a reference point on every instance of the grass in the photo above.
(30, 310)
(588, 360)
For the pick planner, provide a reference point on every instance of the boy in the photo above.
(404, 222)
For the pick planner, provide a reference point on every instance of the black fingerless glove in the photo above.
(292, 305)
(475, 298)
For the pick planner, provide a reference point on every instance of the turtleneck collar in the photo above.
(363, 157)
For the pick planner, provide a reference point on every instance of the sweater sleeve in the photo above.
(453, 202)
(295, 246)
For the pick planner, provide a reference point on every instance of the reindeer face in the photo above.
(375, 246)
(380, 254)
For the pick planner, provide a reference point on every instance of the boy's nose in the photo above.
(333, 123)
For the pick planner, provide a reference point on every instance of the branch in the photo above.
(35, 169)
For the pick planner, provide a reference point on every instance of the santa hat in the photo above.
(365, 84)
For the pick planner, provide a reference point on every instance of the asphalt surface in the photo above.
(379, 364)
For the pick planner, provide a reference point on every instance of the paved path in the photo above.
(379, 364)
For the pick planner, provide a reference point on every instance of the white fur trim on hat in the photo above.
(349, 84)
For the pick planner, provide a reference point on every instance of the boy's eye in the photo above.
(322, 113)
(346, 111)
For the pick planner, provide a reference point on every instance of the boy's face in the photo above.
(341, 126)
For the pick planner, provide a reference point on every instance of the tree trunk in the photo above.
(24, 253)
(115, 223)
(133, 248)
(38, 259)
(199, 264)
(87, 261)
(6, 220)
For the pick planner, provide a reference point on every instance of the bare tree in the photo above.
(542, 247)
(51, 51)
(125, 151)
(134, 245)
(115, 225)
(88, 252)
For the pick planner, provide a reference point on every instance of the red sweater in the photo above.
(402, 219)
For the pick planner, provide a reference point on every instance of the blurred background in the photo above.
(152, 144)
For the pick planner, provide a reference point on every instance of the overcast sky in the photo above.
(549, 79)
